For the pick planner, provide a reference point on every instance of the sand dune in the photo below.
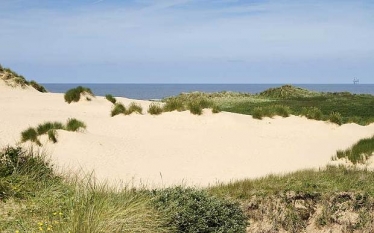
(175, 147)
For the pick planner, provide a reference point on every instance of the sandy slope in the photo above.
(175, 147)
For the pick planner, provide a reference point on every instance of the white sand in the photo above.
(175, 147)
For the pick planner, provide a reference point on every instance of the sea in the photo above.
(160, 91)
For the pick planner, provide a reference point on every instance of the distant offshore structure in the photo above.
(356, 81)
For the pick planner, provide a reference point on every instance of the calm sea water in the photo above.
(159, 91)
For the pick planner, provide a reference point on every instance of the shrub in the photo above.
(359, 152)
(134, 107)
(216, 109)
(154, 109)
(30, 134)
(258, 113)
(37, 86)
(74, 95)
(312, 113)
(110, 98)
(118, 108)
(195, 108)
(282, 110)
(191, 210)
(173, 104)
(74, 125)
(336, 118)
(21, 81)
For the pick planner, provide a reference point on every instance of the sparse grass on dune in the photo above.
(50, 128)
(110, 98)
(13, 79)
(74, 94)
(155, 109)
(117, 109)
(359, 152)
(134, 108)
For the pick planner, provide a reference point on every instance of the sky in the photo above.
(188, 41)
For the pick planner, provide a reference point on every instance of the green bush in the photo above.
(258, 113)
(216, 109)
(173, 104)
(30, 134)
(37, 86)
(282, 110)
(134, 107)
(74, 125)
(359, 152)
(195, 108)
(118, 108)
(74, 95)
(312, 113)
(110, 98)
(336, 118)
(191, 210)
(154, 109)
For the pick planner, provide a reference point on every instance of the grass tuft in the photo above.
(155, 109)
(173, 104)
(359, 152)
(74, 95)
(335, 117)
(47, 126)
(117, 109)
(30, 134)
(134, 107)
(37, 86)
(110, 98)
(52, 135)
(195, 108)
(74, 125)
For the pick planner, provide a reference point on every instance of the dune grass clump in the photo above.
(155, 109)
(134, 107)
(312, 113)
(216, 109)
(335, 117)
(110, 98)
(258, 113)
(359, 152)
(37, 86)
(30, 134)
(195, 108)
(74, 125)
(47, 126)
(173, 104)
(287, 91)
(190, 210)
(74, 95)
(117, 109)
(282, 110)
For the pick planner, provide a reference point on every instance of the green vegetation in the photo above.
(34, 199)
(117, 109)
(155, 109)
(74, 125)
(284, 101)
(110, 98)
(134, 107)
(49, 128)
(191, 210)
(74, 95)
(359, 152)
(216, 108)
(37, 86)
(336, 118)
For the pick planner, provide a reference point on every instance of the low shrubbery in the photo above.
(173, 104)
(117, 109)
(110, 98)
(191, 210)
(134, 107)
(270, 111)
(37, 86)
(312, 113)
(335, 117)
(155, 109)
(50, 128)
(74, 95)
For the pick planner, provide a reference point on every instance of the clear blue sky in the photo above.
(188, 41)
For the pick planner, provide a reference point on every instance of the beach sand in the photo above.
(175, 147)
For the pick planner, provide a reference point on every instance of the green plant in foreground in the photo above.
(110, 98)
(154, 109)
(134, 107)
(74, 95)
(191, 210)
(258, 113)
(118, 108)
(336, 118)
(74, 125)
